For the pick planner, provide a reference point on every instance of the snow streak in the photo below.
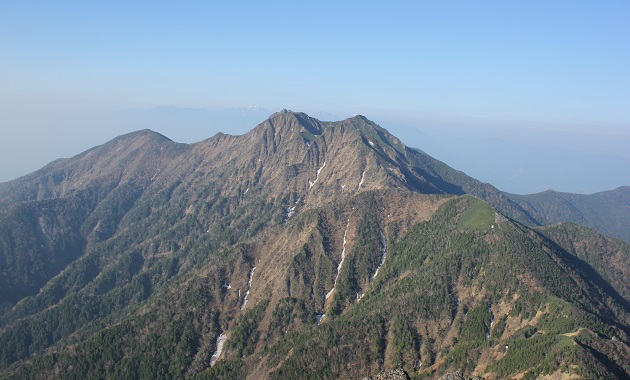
(249, 287)
(220, 341)
(320, 169)
(251, 276)
(362, 178)
(343, 257)
(383, 255)
(310, 184)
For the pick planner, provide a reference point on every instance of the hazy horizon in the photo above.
(514, 160)
(526, 96)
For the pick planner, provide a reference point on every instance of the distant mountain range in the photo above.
(304, 249)
(606, 212)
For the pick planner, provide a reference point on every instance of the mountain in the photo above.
(189, 124)
(607, 212)
(301, 249)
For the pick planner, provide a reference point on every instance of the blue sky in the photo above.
(450, 67)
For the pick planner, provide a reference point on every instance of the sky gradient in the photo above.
(492, 70)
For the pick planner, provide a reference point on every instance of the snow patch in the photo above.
(249, 287)
(245, 300)
(343, 251)
(371, 143)
(330, 292)
(319, 317)
(383, 255)
(343, 257)
(220, 341)
(310, 184)
(362, 178)
(320, 169)
(251, 276)
(291, 210)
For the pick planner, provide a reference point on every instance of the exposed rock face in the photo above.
(397, 374)
(458, 376)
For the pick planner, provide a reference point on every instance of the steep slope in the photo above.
(458, 289)
(300, 249)
(47, 218)
(113, 224)
(609, 258)
(466, 291)
(289, 163)
(607, 212)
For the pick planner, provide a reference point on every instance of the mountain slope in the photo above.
(47, 218)
(302, 248)
(291, 162)
(456, 299)
(607, 212)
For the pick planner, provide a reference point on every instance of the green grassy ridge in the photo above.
(478, 216)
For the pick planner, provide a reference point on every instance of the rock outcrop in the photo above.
(459, 376)
(397, 374)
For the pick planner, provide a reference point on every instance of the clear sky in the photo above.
(475, 67)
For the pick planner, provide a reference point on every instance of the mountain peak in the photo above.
(287, 121)
(143, 134)
(302, 249)
(293, 122)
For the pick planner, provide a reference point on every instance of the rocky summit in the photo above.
(303, 249)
